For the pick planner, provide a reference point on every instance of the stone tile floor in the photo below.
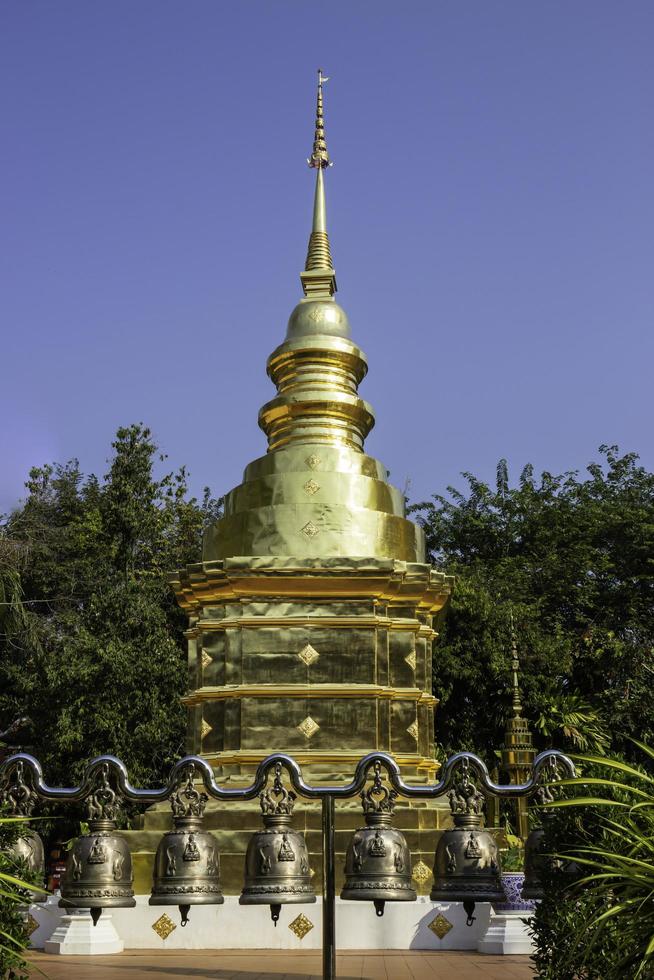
(147, 964)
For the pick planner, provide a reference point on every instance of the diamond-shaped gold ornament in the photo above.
(308, 727)
(421, 873)
(301, 925)
(312, 461)
(411, 661)
(31, 925)
(311, 487)
(164, 926)
(440, 926)
(308, 655)
(413, 730)
(206, 660)
(317, 314)
(205, 728)
(310, 529)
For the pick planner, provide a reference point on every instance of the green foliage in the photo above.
(572, 557)
(95, 656)
(567, 719)
(601, 927)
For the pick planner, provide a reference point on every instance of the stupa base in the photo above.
(404, 925)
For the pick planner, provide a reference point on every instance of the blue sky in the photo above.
(491, 211)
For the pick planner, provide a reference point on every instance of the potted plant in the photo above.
(513, 876)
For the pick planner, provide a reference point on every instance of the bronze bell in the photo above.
(277, 861)
(537, 858)
(378, 862)
(467, 864)
(187, 865)
(99, 866)
(27, 849)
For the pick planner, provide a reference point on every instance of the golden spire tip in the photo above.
(319, 157)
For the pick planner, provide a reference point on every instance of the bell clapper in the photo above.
(379, 906)
(469, 908)
(184, 911)
(95, 915)
(274, 913)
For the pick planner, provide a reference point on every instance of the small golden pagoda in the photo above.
(518, 752)
(312, 612)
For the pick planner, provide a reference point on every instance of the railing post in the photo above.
(328, 890)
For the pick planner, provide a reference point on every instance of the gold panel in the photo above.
(308, 727)
(421, 873)
(440, 926)
(308, 655)
(301, 925)
(164, 926)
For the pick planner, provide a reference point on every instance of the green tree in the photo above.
(572, 558)
(598, 921)
(97, 662)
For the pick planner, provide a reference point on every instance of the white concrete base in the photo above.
(507, 935)
(404, 925)
(77, 936)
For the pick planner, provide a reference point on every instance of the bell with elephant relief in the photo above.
(467, 865)
(277, 861)
(378, 862)
(99, 867)
(187, 864)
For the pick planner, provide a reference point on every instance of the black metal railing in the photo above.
(543, 768)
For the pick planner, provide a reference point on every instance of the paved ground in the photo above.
(281, 965)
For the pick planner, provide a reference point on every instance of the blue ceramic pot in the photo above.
(512, 882)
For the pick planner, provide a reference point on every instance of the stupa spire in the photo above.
(518, 751)
(319, 278)
(516, 702)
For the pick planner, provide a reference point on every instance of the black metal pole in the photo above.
(328, 891)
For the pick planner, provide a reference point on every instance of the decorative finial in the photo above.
(187, 801)
(464, 797)
(515, 668)
(378, 799)
(320, 157)
(319, 278)
(277, 801)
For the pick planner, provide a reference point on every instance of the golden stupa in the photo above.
(312, 612)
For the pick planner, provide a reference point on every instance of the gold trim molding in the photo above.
(330, 691)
